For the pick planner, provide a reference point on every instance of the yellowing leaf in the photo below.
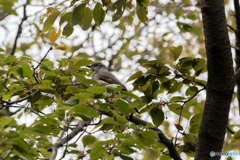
(63, 47)
(53, 35)
(49, 10)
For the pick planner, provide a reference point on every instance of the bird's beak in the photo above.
(89, 66)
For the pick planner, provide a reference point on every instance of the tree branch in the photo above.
(20, 27)
(60, 143)
(23, 99)
(237, 44)
(163, 139)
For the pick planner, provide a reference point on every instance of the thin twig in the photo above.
(20, 27)
(23, 99)
(8, 154)
(43, 58)
(230, 130)
(199, 83)
(65, 150)
(181, 108)
(230, 27)
(163, 139)
(4, 84)
(34, 69)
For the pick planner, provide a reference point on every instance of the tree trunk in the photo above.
(220, 80)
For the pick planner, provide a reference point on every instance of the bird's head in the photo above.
(96, 66)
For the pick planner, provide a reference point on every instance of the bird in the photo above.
(104, 77)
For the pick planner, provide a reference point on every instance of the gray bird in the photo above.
(104, 77)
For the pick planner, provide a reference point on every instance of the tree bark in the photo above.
(220, 80)
(237, 48)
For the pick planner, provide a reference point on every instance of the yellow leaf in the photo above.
(63, 47)
(53, 35)
(50, 10)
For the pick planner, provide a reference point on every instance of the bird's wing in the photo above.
(109, 78)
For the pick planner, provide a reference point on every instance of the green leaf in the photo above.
(98, 14)
(2, 50)
(130, 19)
(191, 91)
(78, 13)
(123, 107)
(157, 116)
(179, 127)
(185, 64)
(124, 150)
(97, 89)
(6, 120)
(236, 137)
(120, 5)
(66, 18)
(129, 94)
(106, 2)
(42, 129)
(45, 88)
(44, 101)
(142, 13)
(83, 110)
(165, 157)
(117, 15)
(86, 21)
(88, 140)
(49, 21)
(176, 51)
(83, 62)
(105, 106)
(172, 86)
(155, 89)
(97, 152)
(194, 129)
(198, 64)
(149, 138)
(26, 69)
(72, 102)
(196, 119)
(176, 108)
(142, 80)
(27, 152)
(88, 82)
(67, 30)
(190, 141)
(135, 76)
(143, 3)
(73, 89)
(177, 98)
(108, 120)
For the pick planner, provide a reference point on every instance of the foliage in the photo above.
(63, 102)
